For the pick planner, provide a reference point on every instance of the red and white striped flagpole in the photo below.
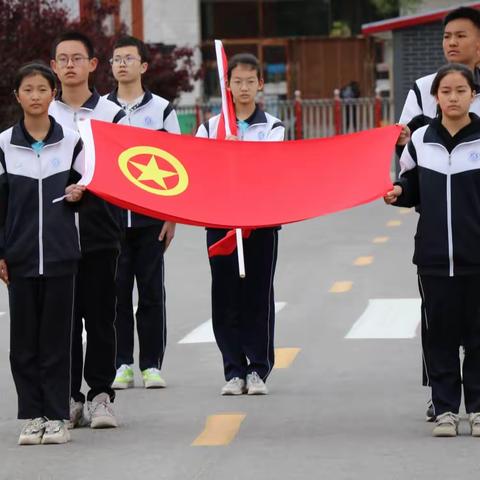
(226, 111)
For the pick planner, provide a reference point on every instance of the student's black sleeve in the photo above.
(408, 179)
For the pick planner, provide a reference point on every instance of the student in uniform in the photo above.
(146, 239)
(101, 229)
(441, 173)
(243, 310)
(461, 44)
(40, 161)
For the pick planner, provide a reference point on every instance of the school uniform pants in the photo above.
(141, 259)
(41, 315)
(243, 309)
(451, 317)
(95, 303)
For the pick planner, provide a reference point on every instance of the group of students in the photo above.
(70, 259)
(440, 176)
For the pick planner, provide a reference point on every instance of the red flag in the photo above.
(228, 244)
(226, 184)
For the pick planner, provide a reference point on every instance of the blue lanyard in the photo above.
(242, 128)
(37, 146)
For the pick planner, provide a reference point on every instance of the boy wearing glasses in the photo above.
(146, 239)
(100, 231)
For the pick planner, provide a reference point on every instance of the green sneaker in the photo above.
(124, 378)
(152, 378)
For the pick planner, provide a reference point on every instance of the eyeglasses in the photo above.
(64, 60)
(127, 60)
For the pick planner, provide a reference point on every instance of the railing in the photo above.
(308, 118)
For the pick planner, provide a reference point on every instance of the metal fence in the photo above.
(308, 118)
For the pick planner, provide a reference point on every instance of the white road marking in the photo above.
(204, 333)
(388, 318)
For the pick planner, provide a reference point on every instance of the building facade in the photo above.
(415, 46)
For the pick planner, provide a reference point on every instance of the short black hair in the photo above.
(129, 41)
(467, 13)
(76, 36)
(34, 68)
(244, 59)
(452, 68)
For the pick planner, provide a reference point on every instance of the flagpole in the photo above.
(221, 64)
(241, 258)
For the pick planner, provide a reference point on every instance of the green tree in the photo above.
(391, 7)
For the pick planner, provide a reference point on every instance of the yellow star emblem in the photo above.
(151, 171)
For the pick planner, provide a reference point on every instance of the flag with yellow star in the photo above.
(225, 184)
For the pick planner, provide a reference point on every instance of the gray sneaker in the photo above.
(446, 425)
(32, 432)
(255, 385)
(235, 386)
(76, 415)
(56, 432)
(100, 412)
(474, 419)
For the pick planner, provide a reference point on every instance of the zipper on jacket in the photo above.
(449, 217)
(40, 217)
(129, 218)
(75, 119)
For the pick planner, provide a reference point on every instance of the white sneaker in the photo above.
(235, 386)
(446, 425)
(474, 419)
(32, 432)
(255, 385)
(76, 415)
(56, 432)
(100, 412)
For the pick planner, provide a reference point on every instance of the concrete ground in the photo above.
(343, 408)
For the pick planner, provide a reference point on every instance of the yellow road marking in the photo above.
(219, 430)
(285, 356)
(405, 211)
(341, 287)
(362, 261)
(394, 223)
(380, 240)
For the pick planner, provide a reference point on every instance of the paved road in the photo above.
(343, 409)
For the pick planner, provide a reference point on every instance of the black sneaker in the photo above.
(430, 416)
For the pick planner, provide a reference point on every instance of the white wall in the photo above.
(73, 6)
(126, 14)
(174, 22)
